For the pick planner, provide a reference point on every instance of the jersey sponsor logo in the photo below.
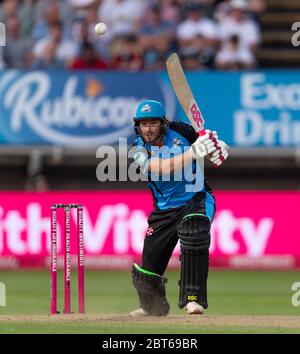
(177, 142)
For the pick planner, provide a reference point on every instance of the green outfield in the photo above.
(239, 302)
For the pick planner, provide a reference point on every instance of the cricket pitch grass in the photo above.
(239, 302)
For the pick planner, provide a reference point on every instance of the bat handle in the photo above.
(202, 132)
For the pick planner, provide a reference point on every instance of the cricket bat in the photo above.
(185, 96)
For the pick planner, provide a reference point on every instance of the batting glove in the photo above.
(205, 145)
(220, 155)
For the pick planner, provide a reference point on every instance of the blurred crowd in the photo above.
(55, 34)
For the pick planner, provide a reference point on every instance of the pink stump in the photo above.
(53, 263)
(80, 260)
(67, 261)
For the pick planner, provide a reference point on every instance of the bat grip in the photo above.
(202, 132)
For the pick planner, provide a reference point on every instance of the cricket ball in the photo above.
(100, 28)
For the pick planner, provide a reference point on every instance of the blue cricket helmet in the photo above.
(150, 109)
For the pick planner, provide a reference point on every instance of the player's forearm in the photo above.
(159, 166)
(179, 161)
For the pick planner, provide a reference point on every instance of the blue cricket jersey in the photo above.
(179, 187)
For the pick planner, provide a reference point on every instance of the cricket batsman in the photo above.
(180, 212)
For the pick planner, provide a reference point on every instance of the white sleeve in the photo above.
(39, 49)
(246, 56)
(222, 31)
(209, 29)
(184, 32)
(71, 50)
(223, 56)
(252, 33)
(105, 11)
